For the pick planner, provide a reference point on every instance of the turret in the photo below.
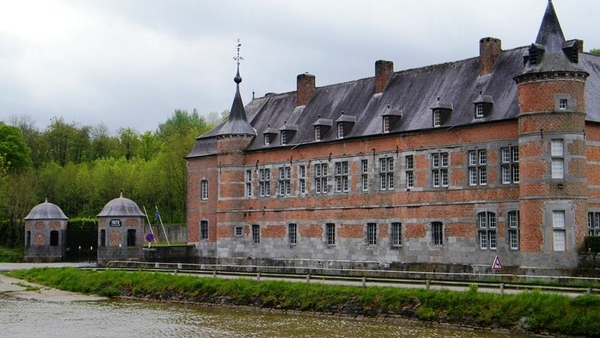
(552, 165)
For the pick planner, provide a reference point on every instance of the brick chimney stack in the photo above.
(383, 74)
(489, 50)
(305, 84)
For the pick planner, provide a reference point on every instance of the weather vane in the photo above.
(238, 58)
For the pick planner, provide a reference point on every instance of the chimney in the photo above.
(489, 50)
(305, 84)
(383, 74)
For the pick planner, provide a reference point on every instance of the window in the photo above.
(562, 104)
(439, 172)
(437, 233)
(557, 152)
(396, 234)
(204, 189)
(131, 237)
(102, 238)
(239, 231)
(513, 229)
(477, 167)
(594, 223)
(283, 137)
(321, 178)
(509, 165)
(386, 173)
(364, 177)
(330, 233)
(267, 139)
(410, 175)
(53, 238)
(558, 226)
(302, 178)
(340, 130)
(284, 184)
(203, 229)
(486, 228)
(341, 176)
(264, 182)
(386, 124)
(371, 233)
(317, 133)
(249, 183)
(255, 233)
(292, 234)
(437, 119)
(479, 110)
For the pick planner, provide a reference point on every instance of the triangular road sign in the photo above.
(497, 264)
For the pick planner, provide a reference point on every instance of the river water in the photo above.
(126, 318)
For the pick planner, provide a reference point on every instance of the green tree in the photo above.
(130, 143)
(595, 51)
(15, 152)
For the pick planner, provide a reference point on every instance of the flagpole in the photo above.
(148, 219)
(163, 226)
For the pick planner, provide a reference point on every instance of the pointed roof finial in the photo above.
(237, 79)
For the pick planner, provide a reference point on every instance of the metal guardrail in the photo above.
(432, 281)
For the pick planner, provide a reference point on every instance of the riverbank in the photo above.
(529, 313)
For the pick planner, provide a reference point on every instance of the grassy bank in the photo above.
(11, 255)
(531, 311)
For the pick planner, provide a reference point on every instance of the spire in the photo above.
(237, 123)
(550, 33)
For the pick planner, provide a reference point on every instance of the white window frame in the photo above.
(487, 230)
(439, 172)
(249, 183)
(341, 176)
(513, 229)
(204, 189)
(396, 234)
(509, 165)
(557, 152)
(364, 178)
(284, 181)
(558, 230)
(386, 173)
(264, 182)
(302, 178)
(321, 178)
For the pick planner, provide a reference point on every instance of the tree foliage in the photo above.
(81, 168)
(595, 51)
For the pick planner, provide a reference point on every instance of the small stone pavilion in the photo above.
(45, 233)
(120, 231)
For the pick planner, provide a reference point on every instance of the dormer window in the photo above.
(441, 112)
(479, 110)
(269, 135)
(389, 119)
(437, 118)
(321, 128)
(340, 130)
(345, 123)
(386, 124)
(483, 106)
(283, 137)
(536, 52)
(286, 133)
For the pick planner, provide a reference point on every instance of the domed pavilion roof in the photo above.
(121, 207)
(46, 210)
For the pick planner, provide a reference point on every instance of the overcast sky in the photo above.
(131, 63)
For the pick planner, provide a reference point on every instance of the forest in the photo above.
(80, 168)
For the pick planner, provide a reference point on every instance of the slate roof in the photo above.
(46, 211)
(121, 207)
(413, 93)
